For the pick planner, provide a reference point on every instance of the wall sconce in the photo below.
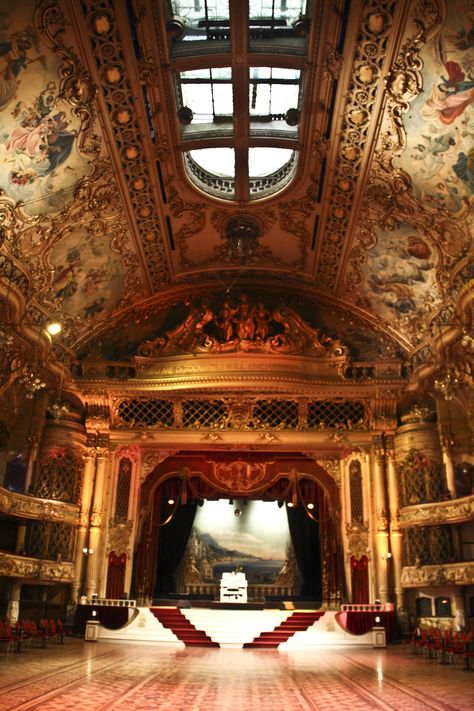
(87, 551)
(386, 556)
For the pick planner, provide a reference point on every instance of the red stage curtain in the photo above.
(116, 576)
(360, 580)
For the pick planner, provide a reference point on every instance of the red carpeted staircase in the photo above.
(173, 618)
(297, 622)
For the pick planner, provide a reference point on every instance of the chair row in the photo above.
(20, 636)
(446, 648)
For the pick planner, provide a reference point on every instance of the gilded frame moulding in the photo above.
(456, 511)
(437, 575)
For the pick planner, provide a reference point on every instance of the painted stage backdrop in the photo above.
(253, 536)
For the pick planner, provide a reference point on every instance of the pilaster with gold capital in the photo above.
(395, 532)
(446, 442)
(381, 512)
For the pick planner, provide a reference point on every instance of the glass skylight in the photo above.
(276, 9)
(273, 90)
(207, 92)
(217, 161)
(265, 161)
(245, 116)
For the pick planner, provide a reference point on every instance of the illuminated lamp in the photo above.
(171, 502)
(54, 328)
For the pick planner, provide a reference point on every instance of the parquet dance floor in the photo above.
(128, 677)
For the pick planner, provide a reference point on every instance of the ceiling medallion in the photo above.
(242, 233)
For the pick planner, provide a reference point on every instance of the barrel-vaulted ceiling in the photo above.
(103, 230)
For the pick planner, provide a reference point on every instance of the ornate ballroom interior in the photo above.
(210, 294)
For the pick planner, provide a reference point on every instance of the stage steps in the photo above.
(326, 632)
(234, 628)
(180, 625)
(297, 622)
(143, 627)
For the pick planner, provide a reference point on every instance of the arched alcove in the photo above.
(172, 492)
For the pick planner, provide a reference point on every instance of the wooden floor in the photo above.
(98, 676)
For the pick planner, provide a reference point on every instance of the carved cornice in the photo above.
(453, 511)
(437, 575)
(30, 507)
(15, 566)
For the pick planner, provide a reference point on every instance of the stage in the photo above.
(233, 625)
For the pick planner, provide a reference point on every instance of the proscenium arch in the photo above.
(204, 471)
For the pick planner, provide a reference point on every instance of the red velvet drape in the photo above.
(360, 580)
(116, 576)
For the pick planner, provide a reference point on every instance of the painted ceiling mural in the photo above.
(439, 155)
(417, 227)
(99, 221)
(40, 163)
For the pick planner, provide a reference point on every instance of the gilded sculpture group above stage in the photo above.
(242, 324)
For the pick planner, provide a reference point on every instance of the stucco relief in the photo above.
(30, 507)
(41, 570)
(440, 512)
(428, 575)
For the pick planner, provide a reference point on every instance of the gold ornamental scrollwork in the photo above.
(76, 86)
(331, 465)
(119, 536)
(150, 460)
(239, 475)
(357, 541)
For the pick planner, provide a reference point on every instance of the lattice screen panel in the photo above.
(203, 413)
(355, 485)
(50, 540)
(335, 413)
(146, 412)
(278, 414)
(271, 413)
(427, 545)
(122, 496)
(60, 477)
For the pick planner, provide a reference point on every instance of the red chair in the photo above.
(6, 640)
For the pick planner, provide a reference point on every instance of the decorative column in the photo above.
(95, 523)
(395, 531)
(382, 534)
(446, 441)
(38, 419)
(82, 540)
(36, 428)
